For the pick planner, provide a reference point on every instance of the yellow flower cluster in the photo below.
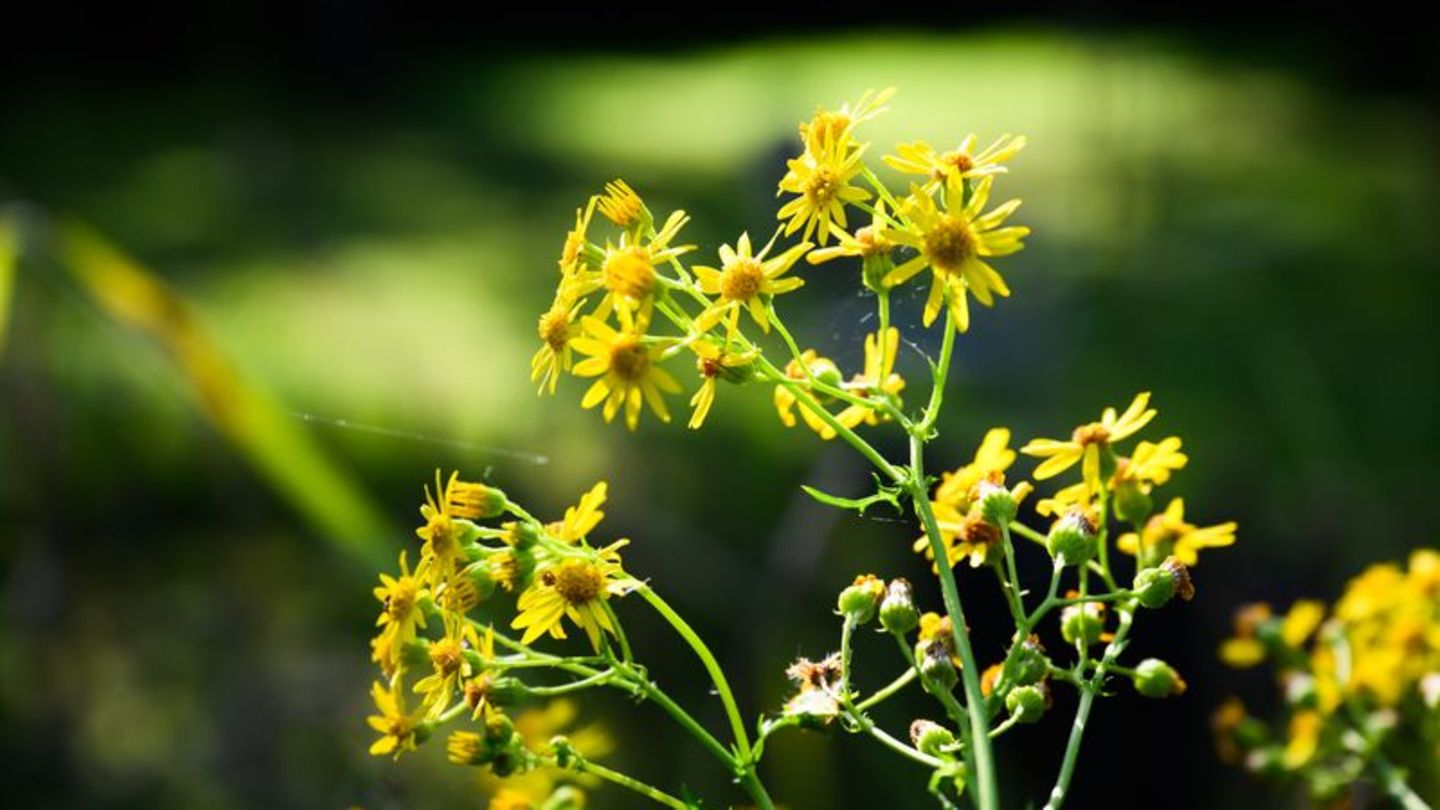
(439, 662)
(630, 303)
(1360, 680)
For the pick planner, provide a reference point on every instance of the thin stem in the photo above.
(619, 631)
(1393, 780)
(815, 382)
(883, 694)
(648, 791)
(1089, 688)
(690, 724)
(808, 402)
(942, 372)
(598, 679)
(1010, 583)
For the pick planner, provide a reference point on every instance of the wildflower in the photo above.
(582, 518)
(878, 378)
(449, 667)
(577, 588)
(833, 129)
(557, 329)
(992, 456)
(1245, 649)
(742, 280)
(1168, 534)
(1071, 540)
(1076, 496)
(1155, 587)
(816, 700)
(1088, 440)
(400, 614)
(627, 370)
(622, 206)
(444, 511)
(399, 732)
(962, 533)
(572, 253)
(532, 730)
(627, 271)
(477, 690)
(1151, 463)
(951, 169)
(822, 178)
(810, 363)
(1304, 739)
(954, 244)
(712, 362)
(859, 601)
(866, 243)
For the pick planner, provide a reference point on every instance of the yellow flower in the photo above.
(1300, 621)
(1244, 649)
(1075, 496)
(1304, 739)
(627, 370)
(572, 253)
(627, 271)
(962, 532)
(1168, 534)
(575, 587)
(400, 615)
(866, 242)
(448, 667)
(441, 533)
(536, 727)
(1151, 464)
(622, 206)
(712, 361)
(992, 456)
(821, 178)
(743, 279)
(951, 169)
(785, 399)
(582, 518)
(954, 244)
(397, 729)
(878, 378)
(833, 129)
(477, 689)
(557, 329)
(1087, 441)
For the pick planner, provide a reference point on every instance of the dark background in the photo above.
(363, 208)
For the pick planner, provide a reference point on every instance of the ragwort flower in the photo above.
(743, 281)
(628, 372)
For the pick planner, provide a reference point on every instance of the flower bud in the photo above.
(1132, 504)
(521, 534)
(1026, 703)
(1029, 666)
(498, 729)
(1083, 622)
(897, 611)
(935, 666)
(825, 370)
(564, 753)
(466, 748)
(505, 764)
(1072, 538)
(474, 501)
(415, 654)
(859, 602)
(997, 505)
(1157, 679)
(931, 738)
(565, 797)
(1155, 587)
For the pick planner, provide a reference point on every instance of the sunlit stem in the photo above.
(648, 791)
(1088, 690)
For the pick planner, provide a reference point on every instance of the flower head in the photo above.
(821, 177)
(744, 280)
(713, 362)
(400, 614)
(557, 328)
(398, 729)
(951, 169)
(1087, 441)
(628, 372)
(574, 587)
(582, 518)
(878, 378)
(1168, 534)
(446, 513)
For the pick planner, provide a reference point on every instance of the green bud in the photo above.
(935, 666)
(506, 691)
(1026, 703)
(826, 372)
(415, 654)
(1154, 587)
(897, 610)
(859, 601)
(521, 534)
(479, 576)
(997, 505)
(1157, 679)
(930, 738)
(1084, 622)
(1072, 539)
(1030, 665)
(564, 752)
(505, 764)
(1131, 503)
(498, 728)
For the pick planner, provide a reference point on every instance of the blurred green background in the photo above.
(364, 217)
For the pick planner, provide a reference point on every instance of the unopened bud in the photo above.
(1082, 623)
(1026, 703)
(859, 601)
(897, 610)
(1157, 679)
(935, 666)
(1155, 587)
(1072, 538)
(1132, 504)
(997, 505)
(931, 738)
(1029, 666)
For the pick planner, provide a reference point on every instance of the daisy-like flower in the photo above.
(822, 179)
(878, 378)
(400, 614)
(962, 533)
(1087, 440)
(865, 243)
(446, 513)
(582, 518)
(742, 281)
(577, 588)
(627, 271)
(711, 362)
(628, 371)
(557, 329)
(830, 129)
(785, 400)
(477, 690)
(954, 244)
(448, 668)
(1080, 496)
(994, 455)
(951, 169)
(397, 728)
(572, 253)
(1168, 534)
(622, 206)
(1151, 464)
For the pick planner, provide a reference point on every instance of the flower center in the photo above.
(741, 280)
(629, 360)
(555, 329)
(441, 534)
(445, 655)
(870, 241)
(821, 186)
(960, 161)
(1093, 433)
(576, 582)
(950, 244)
(401, 599)
(628, 272)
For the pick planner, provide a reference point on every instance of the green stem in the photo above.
(807, 401)
(942, 372)
(1089, 689)
(598, 679)
(883, 404)
(1011, 583)
(1393, 780)
(890, 689)
(648, 791)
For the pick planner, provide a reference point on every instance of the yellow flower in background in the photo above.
(711, 362)
(1167, 534)
(1303, 739)
(557, 329)
(397, 728)
(822, 179)
(622, 206)
(576, 588)
(1087, 440)
(992, 456)
(951, 169)
(628, 372)
(954, 244)
(400, 614)
(572, 253)
(786, 401)
(1301, 621)
(878, 378)
(1151, 464)
(536, 727)
(743, 278)
(833, 129)
(582, 518)
(1074, 496)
